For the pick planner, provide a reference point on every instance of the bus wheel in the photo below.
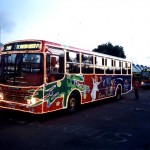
(72, 103)
(118, 95)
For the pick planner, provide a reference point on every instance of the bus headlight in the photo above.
(32, 101)
(1, 96)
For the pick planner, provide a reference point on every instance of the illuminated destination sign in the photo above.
(8, 48)
(28, 46)
(22, 46)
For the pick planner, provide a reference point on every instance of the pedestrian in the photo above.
(136, 85)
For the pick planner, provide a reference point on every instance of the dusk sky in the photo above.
(80, 23)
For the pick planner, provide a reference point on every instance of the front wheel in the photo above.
(72, 103)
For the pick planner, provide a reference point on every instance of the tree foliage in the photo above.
(109, 49)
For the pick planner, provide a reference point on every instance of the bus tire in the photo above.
(72, 104)
(118, 95)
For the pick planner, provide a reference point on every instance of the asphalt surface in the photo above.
(108, 124)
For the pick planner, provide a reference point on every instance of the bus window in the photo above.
(109, 66)
(124, 67)
(73, 63)
(55, 65)
(117, 66)
(99, 65)
(31, 63)
(87, 63)
(22, 69)
(129, 68)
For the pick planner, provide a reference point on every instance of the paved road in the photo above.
(123, 124)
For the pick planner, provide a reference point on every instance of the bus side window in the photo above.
(109, 66)
(117, 67)
(99, 65)
(87, 64)
(61, 64)
(48, 64)
(73, 62)
(53, 65)
(129, 68)
(124, 68)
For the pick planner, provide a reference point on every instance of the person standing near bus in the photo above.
(136, 85)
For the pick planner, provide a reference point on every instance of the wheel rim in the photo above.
(72, 103)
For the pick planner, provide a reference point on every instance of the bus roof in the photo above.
(57, 45)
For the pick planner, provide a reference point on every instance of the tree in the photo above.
(109, 49)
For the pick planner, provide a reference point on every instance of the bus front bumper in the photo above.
(144, 84)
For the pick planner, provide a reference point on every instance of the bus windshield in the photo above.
(21, 69)
(145, 74)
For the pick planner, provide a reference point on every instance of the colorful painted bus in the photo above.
(38, 76)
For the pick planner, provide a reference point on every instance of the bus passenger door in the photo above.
(55, 68)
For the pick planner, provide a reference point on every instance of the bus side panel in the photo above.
(103, 86)
(91, 87)
(54, 95)
(127, 83)
(57, 93)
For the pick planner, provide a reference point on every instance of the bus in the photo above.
(145, 77)
(39, 76)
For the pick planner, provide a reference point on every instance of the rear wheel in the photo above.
(118, 95)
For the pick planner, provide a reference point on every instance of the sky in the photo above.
(80, 23)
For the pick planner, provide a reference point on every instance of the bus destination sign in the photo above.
(22, 46)
(28, 46)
